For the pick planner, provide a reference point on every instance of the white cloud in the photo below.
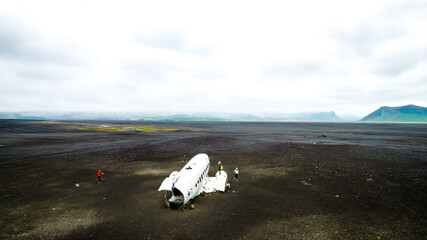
(240, 56)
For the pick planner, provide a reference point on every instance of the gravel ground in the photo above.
(359, 181)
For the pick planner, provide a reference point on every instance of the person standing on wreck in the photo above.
(99, 175)
(219, 167)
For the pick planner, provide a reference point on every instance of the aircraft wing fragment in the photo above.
(217, 183)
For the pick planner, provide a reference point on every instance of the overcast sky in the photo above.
(223, 56)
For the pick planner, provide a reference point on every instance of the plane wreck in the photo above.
(192, 180)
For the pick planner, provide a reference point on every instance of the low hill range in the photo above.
(408, 113)
(72, 116)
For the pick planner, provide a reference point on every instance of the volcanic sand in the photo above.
(360, 181)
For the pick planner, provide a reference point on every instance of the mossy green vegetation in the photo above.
(122, 128)
(110, 127)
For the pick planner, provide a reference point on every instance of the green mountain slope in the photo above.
(408, 113)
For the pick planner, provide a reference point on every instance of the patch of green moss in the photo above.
(110, 127)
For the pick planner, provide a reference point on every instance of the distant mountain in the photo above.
(73, 116)
(324, 116)
(70, 116)
(317, 116)
(109, 116)
(192, 118)
(408, 113)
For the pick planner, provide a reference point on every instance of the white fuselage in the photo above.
(189, 182)
(192, 180)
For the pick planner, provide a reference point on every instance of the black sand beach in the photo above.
(361, 181)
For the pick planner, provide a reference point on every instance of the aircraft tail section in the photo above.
(168, 182)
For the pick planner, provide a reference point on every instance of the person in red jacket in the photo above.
(99, 175)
